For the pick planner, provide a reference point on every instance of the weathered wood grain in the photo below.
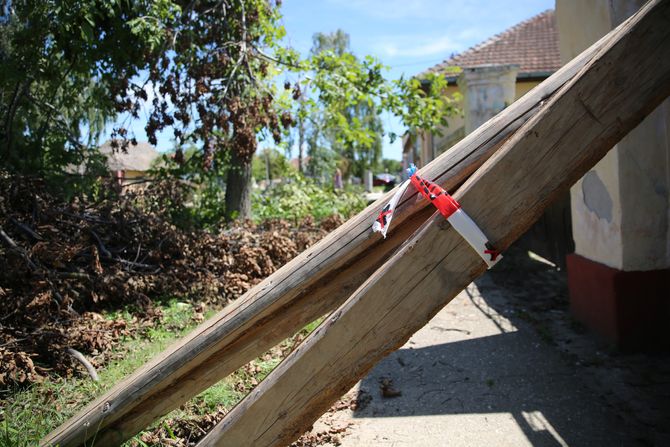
(311, 285)
(567, 137)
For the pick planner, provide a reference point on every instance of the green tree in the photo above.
(270, 164)
(203, 69)
(196, 67)
(391, 166)
(358, 154)
(62, 66)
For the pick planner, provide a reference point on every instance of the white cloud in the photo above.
(416, 46)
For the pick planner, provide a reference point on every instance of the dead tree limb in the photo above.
(12, 245)
(27, 230)
(78, 356)
(103, 250)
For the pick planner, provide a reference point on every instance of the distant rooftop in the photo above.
(138, 158)
(531, 44)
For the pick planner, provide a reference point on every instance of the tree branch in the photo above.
(261, 55)
(106, 253)
(11, 244)
(60, 122)
(78, 356)
(26, 229)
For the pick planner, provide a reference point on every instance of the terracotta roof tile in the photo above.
(531, 44)
(138, 158)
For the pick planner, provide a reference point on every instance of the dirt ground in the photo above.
(504, 364)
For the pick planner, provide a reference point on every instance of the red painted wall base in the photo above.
(631, 309)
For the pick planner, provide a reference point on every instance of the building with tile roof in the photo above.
(130, 166)
(531, 44)
(135, 161)
(528, 53)
(611, 231)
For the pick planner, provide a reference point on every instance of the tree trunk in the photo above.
(238, 189)
(301, 143)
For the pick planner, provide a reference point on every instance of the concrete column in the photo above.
(620, 272)
(486, 89)
(367, 180)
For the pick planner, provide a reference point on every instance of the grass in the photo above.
(31, 413)
(27, 415)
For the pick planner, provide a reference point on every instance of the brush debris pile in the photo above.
(63, 265)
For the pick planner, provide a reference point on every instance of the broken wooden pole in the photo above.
(309, 286)
(569, 135)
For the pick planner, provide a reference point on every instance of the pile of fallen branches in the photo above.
(63, 264)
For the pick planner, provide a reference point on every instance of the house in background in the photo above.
(490, 76)
(132, 165)
(612, 231)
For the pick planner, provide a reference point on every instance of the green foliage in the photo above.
(28, 415)
(347, 95)
(195, 67)
(322, 161)
(192, 197)
(207, 209)
(204, 70)
(301, 197)
(279, 165)
(391, 166)
(328, 146)
(61, 64)
(32, 413)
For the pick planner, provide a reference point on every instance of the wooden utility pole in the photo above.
(570, 134)
(311, 285)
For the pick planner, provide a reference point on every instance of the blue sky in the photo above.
(407, 35)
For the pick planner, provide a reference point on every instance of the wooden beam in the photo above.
(574, 130)
(311, 285)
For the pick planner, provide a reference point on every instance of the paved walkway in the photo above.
(498, 367)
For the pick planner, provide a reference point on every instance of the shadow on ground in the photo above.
(508, 348)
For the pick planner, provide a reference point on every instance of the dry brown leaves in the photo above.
(75, 260)
(332, 427)
(17, 367)
(181, 432)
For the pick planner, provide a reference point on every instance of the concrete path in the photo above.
(487, 371)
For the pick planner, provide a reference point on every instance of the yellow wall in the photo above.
(455, 123)
(523, 87)
(580, 23)
(134, 174)
(453, 133)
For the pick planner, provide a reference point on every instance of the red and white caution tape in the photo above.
(467, 228)
(383, 221)
(450, 209)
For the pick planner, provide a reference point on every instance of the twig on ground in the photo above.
(74, 275)
(137, 264)
(26, 229)
(137, 256)
(78, 356)
(93, 219)
(11, 244)
(106, 253)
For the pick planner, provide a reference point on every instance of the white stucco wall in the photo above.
(644, 178)
(487, 89)
(621, 208)
(596, 213)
